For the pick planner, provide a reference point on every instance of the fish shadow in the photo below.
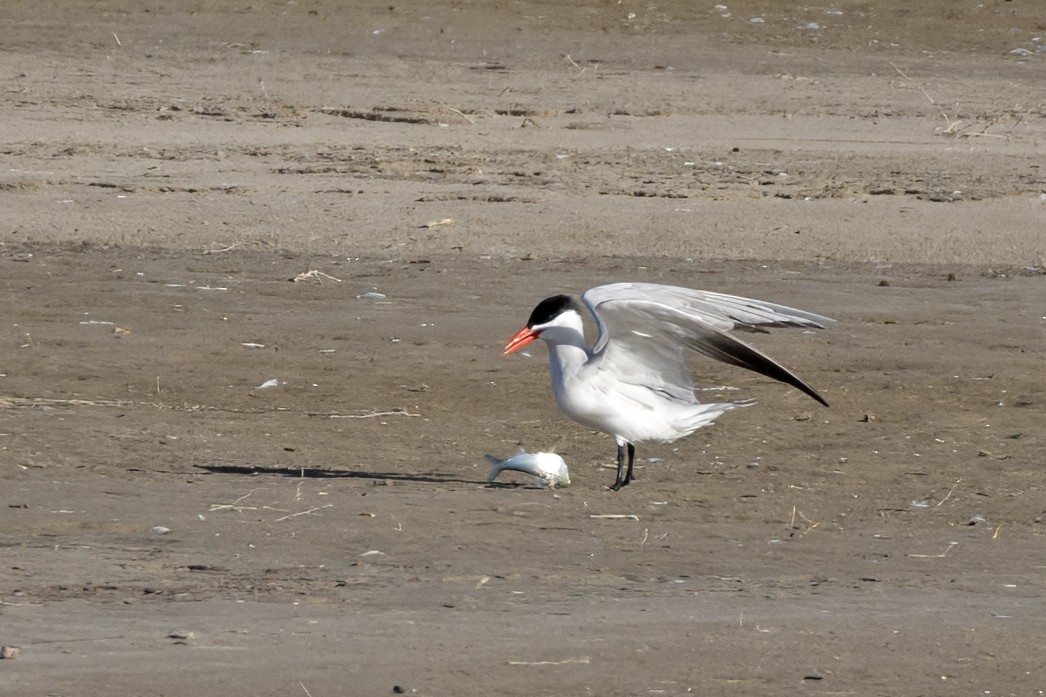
(319, 473)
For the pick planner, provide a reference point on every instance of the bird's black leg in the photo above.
(631, 460)
(624, 470)
(620, 481)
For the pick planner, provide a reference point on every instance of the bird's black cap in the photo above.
(550, 308)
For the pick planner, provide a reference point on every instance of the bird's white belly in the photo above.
(632, 412)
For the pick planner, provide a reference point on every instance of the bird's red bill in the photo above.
(523, 337)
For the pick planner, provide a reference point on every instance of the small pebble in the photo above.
(9, 652)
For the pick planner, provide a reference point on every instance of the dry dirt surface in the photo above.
(258, 261)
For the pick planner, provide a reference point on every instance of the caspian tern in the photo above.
(634, 383)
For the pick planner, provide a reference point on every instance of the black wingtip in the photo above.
(813, 393)
(730, 350)
(776, 371)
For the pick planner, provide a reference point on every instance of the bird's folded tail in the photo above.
(705, 414)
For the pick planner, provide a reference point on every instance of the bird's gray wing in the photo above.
(644, 327)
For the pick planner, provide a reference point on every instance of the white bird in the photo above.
(634, 383)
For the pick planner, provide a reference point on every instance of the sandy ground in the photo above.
(172, 528)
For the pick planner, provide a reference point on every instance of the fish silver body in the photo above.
(547, 469)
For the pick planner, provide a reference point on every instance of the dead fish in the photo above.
(547, 469)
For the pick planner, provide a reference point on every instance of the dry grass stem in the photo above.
(235, 505)
(952, 126)
(459, 113)
(949, 494)
(219, 251)
(934, 556)
(311, 510)
(810, 525)
(10, 402)
(568, 661)
(369, 415)
(314, 275)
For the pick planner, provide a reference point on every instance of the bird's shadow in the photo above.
(319, 473)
